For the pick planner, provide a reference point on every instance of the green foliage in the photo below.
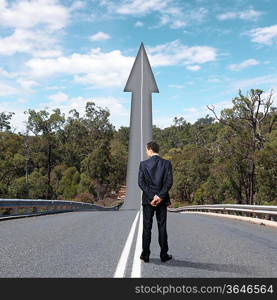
(226, 159)
(36, 188)
(5, 120)
(86, 185)
(267, 171)
(69, 183)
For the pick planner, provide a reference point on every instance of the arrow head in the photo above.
(141, 71)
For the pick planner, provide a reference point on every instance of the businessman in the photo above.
(155, 179)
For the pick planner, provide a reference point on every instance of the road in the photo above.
(90, 244)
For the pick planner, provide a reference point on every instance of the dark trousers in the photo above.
(148, 213)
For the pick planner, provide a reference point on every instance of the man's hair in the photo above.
(154, 146)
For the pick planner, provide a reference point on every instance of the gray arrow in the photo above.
(141, 83)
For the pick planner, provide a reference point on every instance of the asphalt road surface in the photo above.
(106, 244)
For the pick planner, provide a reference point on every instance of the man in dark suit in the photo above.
(155, 179)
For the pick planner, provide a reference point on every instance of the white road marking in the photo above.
(121, 266)
(136, 268)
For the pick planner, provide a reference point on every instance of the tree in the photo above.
(246, 119)
(11, 160)
(267, 171)
(37, 186)
(5, 120)
(74, 139)
(46, 124)
(69, 183)
(119, 160)
(97, 163)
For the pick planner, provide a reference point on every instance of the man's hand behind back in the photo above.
(156, 200)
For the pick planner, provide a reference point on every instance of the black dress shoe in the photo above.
(144, 258)
(166, 257)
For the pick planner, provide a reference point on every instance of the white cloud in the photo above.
(176, 86)
(17, 107)
(191, 109)
(100, 69)
(191, 114)
(169, 12)
(47, 53)
(36, 26)
(26, 84)
(198, 14)
(178, 24)
(54, 87)
(28, 14)
(57, 99)
(176, 18)
(164, 19)
(193, 68)
(7, 90)
(76, 5)
(29, 41)
(7, 74)
(174, 53)
(227, 16)
(99, 36)
(137, 7)
(243, 65)
(255, 82)
(162, 122)
(139, 24)
(267, 92)
(118, 112)
(97, 68)
(251, 15)
(264, 35)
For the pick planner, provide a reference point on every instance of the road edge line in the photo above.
(136, 268)
(240, 218)
(121, 266)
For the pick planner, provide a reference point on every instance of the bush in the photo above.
(35, 189)
(69, 183)
(84, 197)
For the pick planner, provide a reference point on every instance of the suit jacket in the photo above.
(155, 178)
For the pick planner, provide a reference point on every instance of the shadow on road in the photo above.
(207, 266)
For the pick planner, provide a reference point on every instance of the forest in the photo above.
(229, 157)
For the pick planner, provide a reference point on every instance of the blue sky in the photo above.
(64, 53)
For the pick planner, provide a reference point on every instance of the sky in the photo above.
(63, 53)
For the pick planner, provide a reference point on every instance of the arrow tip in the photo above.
(141, 61)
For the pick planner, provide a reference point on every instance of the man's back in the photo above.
(155, 178)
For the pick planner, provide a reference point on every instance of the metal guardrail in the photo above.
(29, 207)
(255, 211)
